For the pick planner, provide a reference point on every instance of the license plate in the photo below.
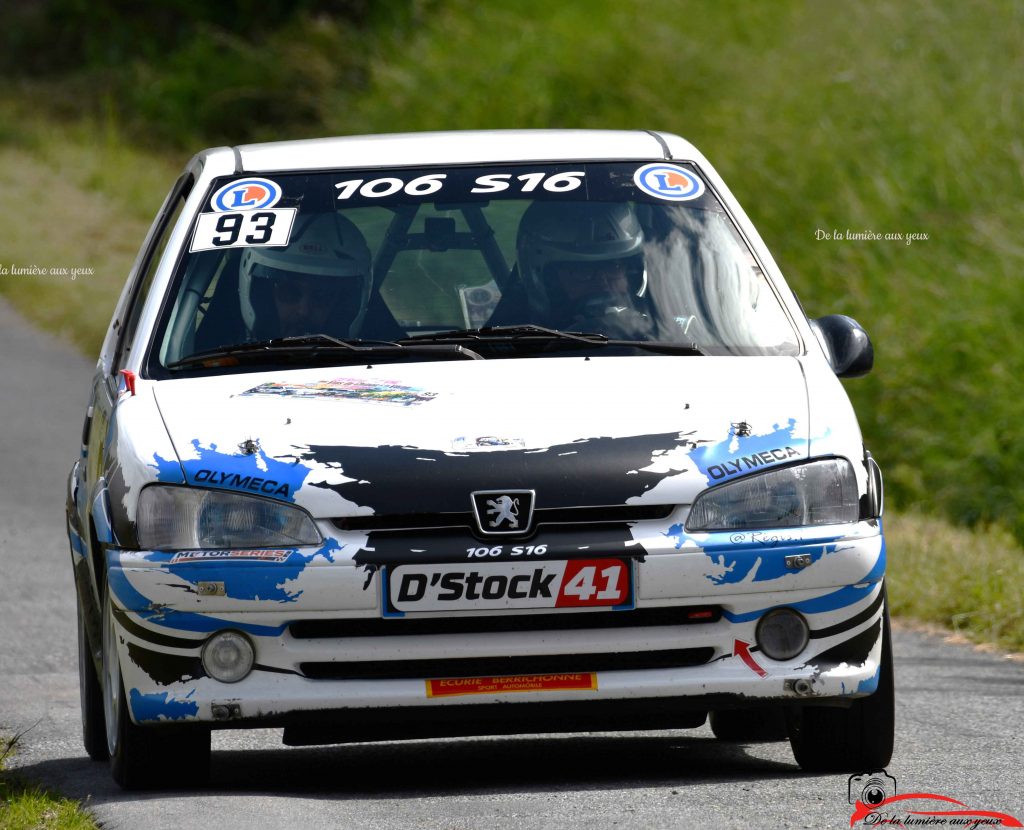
(495, 586)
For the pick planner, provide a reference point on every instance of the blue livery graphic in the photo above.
(159, 706)
(246, 579)
(738, 453)
(260, 473)
(143, 608)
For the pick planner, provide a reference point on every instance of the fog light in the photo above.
(782, 634)
(228, 656)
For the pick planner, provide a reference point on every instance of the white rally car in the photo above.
(409, 436)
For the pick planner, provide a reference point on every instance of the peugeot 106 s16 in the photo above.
(410, 436)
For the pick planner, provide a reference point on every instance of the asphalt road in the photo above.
(960, 727)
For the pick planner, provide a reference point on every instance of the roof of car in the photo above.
(463, 147)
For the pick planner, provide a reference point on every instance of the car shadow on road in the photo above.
(461, 766)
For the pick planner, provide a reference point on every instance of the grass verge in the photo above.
(968, 581)
(29, 807)
(77, 205)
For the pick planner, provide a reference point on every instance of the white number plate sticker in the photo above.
(573, 583)
(243, 229)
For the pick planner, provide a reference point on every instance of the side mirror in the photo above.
(847, 345)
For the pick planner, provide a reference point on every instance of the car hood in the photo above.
(421, 437)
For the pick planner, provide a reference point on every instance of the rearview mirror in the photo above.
(846, 343)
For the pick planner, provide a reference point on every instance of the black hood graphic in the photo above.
(589, 472)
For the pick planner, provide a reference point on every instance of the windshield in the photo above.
(630, 251)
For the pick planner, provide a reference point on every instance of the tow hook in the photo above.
(225, 711)
(801, 687)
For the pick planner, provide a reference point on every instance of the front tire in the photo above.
(849, 740)
(146, 757)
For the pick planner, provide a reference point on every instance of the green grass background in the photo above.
(894, 116)
(26, 806)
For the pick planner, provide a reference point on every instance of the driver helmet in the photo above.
(327, 263)
(567, 252)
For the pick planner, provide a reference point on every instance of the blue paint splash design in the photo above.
(869, 685)
(242, 580)
(257, 581)
(146, 609)
(770, 563)
(735, 561)
(160, 706)
(77, 542)
(168, 471)
(738, 455)
(842, 598)
(259, 473)
(101, 517)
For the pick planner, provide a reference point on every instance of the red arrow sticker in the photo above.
(742, 649)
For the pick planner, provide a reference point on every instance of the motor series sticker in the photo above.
(669, 182)
(223, 555)
(575, 583)
(377, 391)
(451, 687)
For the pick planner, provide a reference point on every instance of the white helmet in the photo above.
(576, 232)
(324, 245)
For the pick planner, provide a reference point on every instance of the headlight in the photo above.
(183, 518)
(819, 493)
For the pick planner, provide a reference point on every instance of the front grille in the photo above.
(501, 666)
(567, 621)
(541, 516)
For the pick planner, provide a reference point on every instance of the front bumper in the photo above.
(326, 653)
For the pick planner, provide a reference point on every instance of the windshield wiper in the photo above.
(529, 332)
(510, 333)
(310, 345)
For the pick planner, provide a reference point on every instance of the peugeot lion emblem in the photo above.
(502, 512)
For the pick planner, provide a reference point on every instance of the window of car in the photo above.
(610, 249)
(166, 221)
